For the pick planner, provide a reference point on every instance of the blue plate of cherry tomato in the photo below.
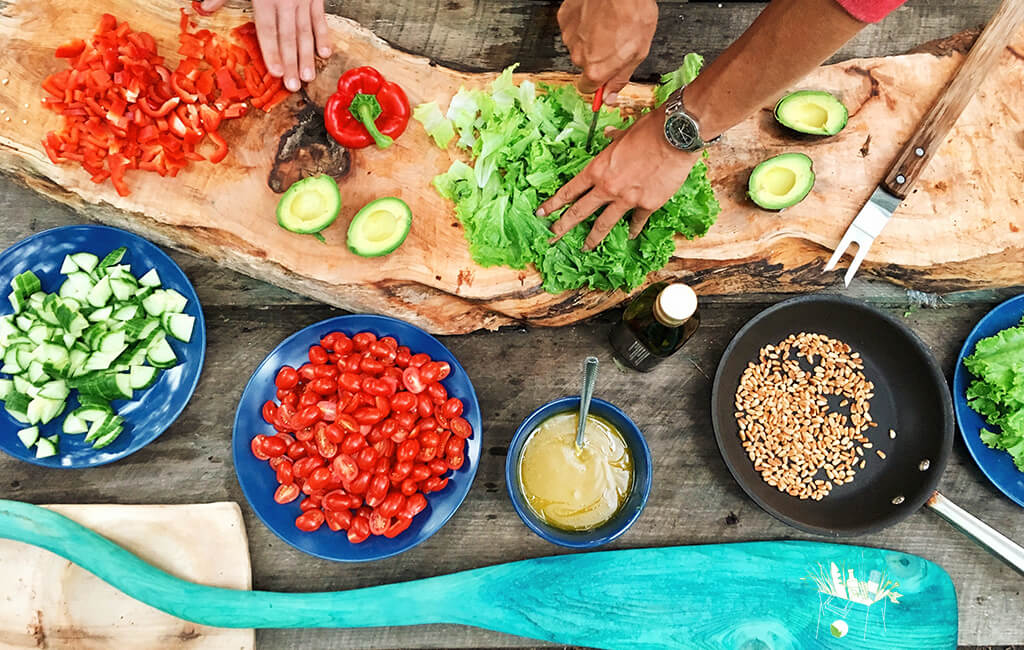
(153, 409)
(357, 438)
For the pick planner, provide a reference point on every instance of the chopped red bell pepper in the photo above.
(71, 49)
(366, 109)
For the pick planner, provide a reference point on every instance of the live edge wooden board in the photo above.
(963, 228)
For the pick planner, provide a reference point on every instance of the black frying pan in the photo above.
(911, 397)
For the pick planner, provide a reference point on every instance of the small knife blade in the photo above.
(596, 107)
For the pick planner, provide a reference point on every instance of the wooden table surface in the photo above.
(694, 499)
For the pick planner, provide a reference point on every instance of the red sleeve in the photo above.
(870, 11)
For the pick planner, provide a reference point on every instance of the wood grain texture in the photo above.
(984, 55)
(50, 603)
(961, 230)
(755, 594)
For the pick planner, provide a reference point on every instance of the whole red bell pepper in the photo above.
(366, 109)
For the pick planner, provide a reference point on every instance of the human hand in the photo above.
(286, 30)
(638, 171)
(607, 39)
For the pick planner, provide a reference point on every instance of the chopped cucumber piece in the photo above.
(114, 257)
(91, 413)
(176, 302)
(114, 341)
(73, 425)
(45, 448)
(180, 326)
(77, 286)
(108, 438)
(100, 294)
(126, 313)
(155, 303)
(28, 436)
(150, 279)
(161, 355)
(17, 302)
(86, 261)
(123, 290)
(101, 315)
(142, 377)
(68, 266)
(26, 283)
(6, 386)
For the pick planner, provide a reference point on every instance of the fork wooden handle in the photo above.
(931, 132)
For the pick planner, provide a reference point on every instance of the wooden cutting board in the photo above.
(49, 602)
(963, 227)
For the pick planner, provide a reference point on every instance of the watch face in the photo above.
(682, 133)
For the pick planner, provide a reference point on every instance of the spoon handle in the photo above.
(589, 378)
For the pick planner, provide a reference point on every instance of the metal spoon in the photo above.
(589, 377)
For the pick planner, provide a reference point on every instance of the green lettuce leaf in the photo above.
(997, 392)
(673, 81)
(436, 125)
(526, 144)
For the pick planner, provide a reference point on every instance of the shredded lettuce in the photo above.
(435, 124)
(997, 393)
(524, 146)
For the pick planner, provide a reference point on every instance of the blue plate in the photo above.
(995, 464)
(258, 479)
(152, 410)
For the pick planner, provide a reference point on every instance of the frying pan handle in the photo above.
(984, 535)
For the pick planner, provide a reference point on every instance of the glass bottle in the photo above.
(655, 325)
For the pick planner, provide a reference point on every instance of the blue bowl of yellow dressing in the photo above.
(635, 497)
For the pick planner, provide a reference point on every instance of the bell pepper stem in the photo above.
(366, 109)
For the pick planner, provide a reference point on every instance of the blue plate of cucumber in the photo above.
(102, 341)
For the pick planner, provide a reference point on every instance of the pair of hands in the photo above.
(639, 170)
(287, 31)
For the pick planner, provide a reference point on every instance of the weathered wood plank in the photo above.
(694, 499)
(491, 34)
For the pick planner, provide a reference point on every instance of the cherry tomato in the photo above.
(273, 446)
(455, 461)
(347, 422)
(414, 505)
(257, 447)
(302, 468)
(408, 450)
(326, 370)
(284, 470)
(419, 472)
(343, 345)
(452, 408)
(296, 451)
(455, 445)
(424, 406)
(327, 340)
(269, 411)
(307, 371)
(413, 381)
(286, 395)
(437, 392)
(352, 443)
(400, 471)
(375, 386)
(352, 363)
(324, 386)
(417, 360)
(310, 520)
(402, 357)
(409, 487)
(286, 493)
(319, 478)
(385, 448)
(287, 378)
(377, 490)
(363, 340)
(335, 500)
(391, 382)
(433, 484)
(401, 524)
(359, 529)
(309, 503)
(334, 433)
(361, 483)
(384, 353)
(379, 524)
(429, 372)
(339, 520)
(367, 415)
(345, 466)
(317, 355)
(390, 341)
(350, 381)
(309, 398)
(370, 365)
(443, 369)
(307, 416)
(304, 434)
(325, 446)
(460, 427)
(437, 467)
(403, 402)
(366, 458)
(392, 504)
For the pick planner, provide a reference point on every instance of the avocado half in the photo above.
(309, 205)
(814, 112)
(379, 227)
(782, 181)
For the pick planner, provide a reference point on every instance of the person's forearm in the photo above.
(787, 41)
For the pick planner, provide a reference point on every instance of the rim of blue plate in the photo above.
(995, 464)
(635, 503)
(418, 532)
(196, 346)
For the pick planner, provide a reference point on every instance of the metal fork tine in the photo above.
(844, 243)
(862, 251)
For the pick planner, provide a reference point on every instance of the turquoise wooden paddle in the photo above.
(748, 595)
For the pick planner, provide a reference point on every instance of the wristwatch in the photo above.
(681, 128)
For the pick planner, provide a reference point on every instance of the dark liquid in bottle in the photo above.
(640, 340)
